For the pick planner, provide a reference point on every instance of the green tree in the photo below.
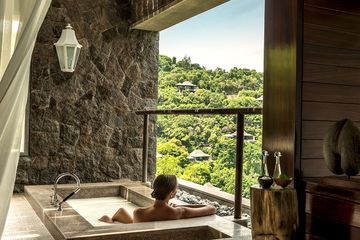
(173, 148)
(180, 135)
(198, 172)
(168, 165)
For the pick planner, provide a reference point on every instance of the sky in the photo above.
(230, 35)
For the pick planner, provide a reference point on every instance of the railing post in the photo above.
(239, 164)
(145, 149)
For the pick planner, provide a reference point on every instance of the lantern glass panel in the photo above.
(60, 52)
(70, 55)
(77, 56)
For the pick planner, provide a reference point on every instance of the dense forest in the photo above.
(178, 136)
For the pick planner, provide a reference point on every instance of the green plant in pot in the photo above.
(265, 180)
(283, 180)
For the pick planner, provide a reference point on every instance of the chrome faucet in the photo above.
(54, 201)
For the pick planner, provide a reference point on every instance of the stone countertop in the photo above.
(68, 224)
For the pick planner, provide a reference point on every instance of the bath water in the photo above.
(93, 208)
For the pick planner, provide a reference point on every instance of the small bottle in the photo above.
(265, 171)
(277, 169)
(265, 180)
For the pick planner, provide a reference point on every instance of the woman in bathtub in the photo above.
(165, 187)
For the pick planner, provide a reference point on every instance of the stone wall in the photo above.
(144, 8)
(84, 122)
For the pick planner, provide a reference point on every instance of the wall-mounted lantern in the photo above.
(68, 49)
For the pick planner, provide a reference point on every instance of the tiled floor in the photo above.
(22, 222)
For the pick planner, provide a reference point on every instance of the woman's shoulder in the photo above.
(140, 214)
(141, 210)
(175, 213)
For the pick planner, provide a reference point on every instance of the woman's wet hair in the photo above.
(163, 185)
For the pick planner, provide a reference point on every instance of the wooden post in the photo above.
(274, 213)
(145, 149)
(239, 165)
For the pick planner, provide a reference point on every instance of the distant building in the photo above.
(232, 96)
(198, 155)
(226, 129)
(159, 155)
(186, 86)
(247, 136)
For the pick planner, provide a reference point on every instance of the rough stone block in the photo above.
(69, 134)
(84, 121)
(39, 162)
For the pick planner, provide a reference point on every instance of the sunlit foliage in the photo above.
(180, 135)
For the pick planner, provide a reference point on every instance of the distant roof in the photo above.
(198, 153)
(159, 155)
(232, 96)
(245, 134)
(186, 83)
(235, 133)
(229, 135)
(226, 129)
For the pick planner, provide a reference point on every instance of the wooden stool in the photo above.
(274, 213)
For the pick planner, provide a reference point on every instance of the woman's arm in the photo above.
(198, 211)
(188, 205)
(122, 216)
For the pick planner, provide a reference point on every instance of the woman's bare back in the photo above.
(167, 212)
(153, 213)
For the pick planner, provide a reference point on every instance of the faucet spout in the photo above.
(54, 199)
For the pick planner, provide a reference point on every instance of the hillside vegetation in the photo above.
(179, 135)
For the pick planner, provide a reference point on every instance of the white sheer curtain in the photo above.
(20, 21)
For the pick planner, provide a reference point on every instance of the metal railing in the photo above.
(240, 112)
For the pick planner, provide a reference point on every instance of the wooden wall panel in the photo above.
(316, 130)
(331, 56)
(331, 74)
(280, 80)
(312, 149)
(315, 34)
(331, 93)
(332, 18)
(315, 167)
(330, 111)
(351, 6)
